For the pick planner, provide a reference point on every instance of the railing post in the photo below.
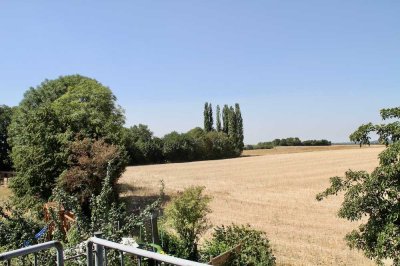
(60, 253)
(99, 249)
(89, 253)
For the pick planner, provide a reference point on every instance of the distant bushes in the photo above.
(322, 142)
(288, 142)
(144, 148)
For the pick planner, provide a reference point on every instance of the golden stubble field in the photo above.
(275, 193)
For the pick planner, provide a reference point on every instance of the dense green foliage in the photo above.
(373, 198)
(322, 142)
(187, 215)
(197, 144)
(15, 228)
(232, 124)
(87, 166)
(47, 120)
(5, 149)
(254, 246)
(107, 216)
(141, 145)
(194, 145)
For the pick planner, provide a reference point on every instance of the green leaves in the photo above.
(375, 196)
(361, 135)
(390, 113)
(187, 215)
(48, 118)
(254, 245)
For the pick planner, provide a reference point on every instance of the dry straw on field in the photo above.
(275, 193)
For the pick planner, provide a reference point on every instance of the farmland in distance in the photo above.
(272, 192)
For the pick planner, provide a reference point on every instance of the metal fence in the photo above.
(99, 258)
(8, 256)
(96, 254)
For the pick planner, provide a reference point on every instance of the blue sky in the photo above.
(311, 69)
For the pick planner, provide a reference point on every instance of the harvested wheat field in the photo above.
(274, 193)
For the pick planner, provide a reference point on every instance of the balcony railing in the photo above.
(96, 255)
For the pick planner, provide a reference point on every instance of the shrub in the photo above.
(221, 146)
(264, 145)
(178, 147)
(255, 248)
(187, 215)
(87, 168)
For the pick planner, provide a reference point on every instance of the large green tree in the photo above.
(374, 198)
(142, 146)
(51, 116)
(5, 120)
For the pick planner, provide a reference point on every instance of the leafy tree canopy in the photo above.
(49, 117)
(374, 197)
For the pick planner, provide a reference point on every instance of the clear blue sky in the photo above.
(312, 69)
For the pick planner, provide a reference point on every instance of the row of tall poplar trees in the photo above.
(230, 122)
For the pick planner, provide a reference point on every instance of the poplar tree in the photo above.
(210, 117)
(239, 128)
(225, 119)
(232, 125)
(207, 126)
(218, 114)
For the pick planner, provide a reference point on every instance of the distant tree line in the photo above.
(224, 141)
(288, 142)
(142, 147)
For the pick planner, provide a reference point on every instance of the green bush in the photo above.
(254, 250)
(187, 216)
(87, 167)
(178, 147)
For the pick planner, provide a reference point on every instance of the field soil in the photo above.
(5, 193)
(274, 193)
(300, 149)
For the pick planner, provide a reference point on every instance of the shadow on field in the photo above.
(249, 155)
(134, 202)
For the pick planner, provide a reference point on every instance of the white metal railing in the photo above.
(96, 246)
(99, 245)
(8, 256)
